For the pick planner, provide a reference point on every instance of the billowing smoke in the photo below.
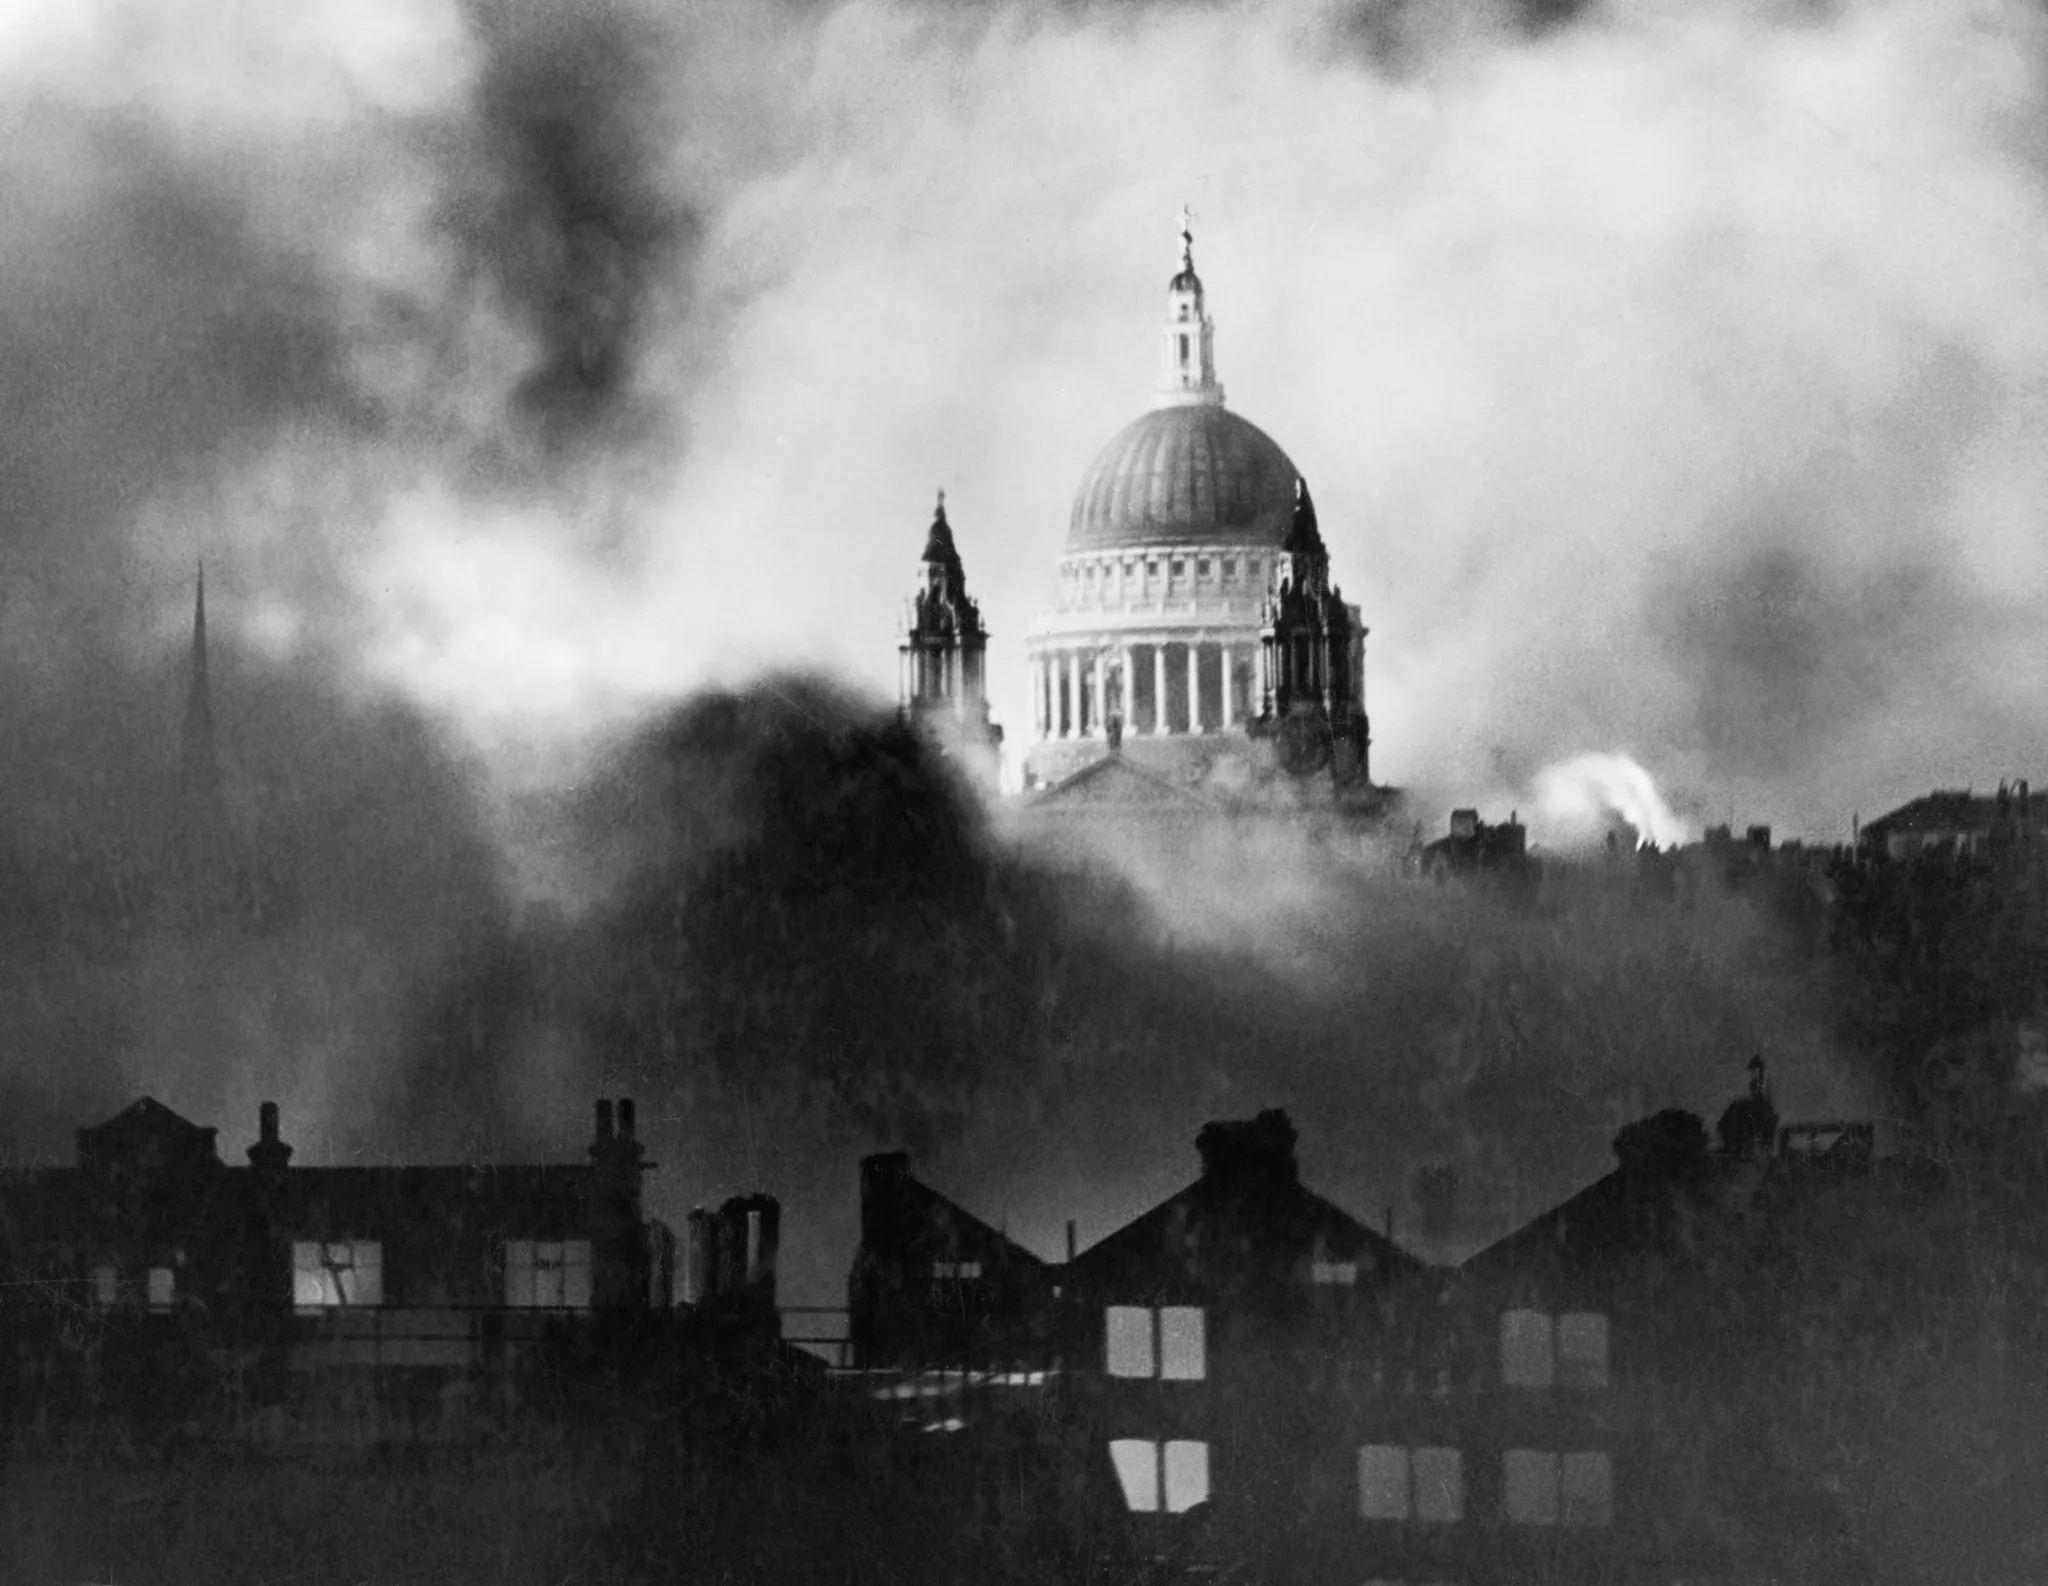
(1585, 796)
(267, 289)
(802, 939)
(1666, 375)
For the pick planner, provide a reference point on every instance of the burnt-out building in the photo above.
(935, 1287)
(154, 1276)
(1495, 851)
(1473, 844)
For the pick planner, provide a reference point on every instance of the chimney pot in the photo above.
(604, 1120)
(266, 1123)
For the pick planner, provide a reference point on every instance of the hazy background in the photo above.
(1666, 373)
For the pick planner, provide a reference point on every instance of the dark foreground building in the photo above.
(353, 1303)
(1263, 1388)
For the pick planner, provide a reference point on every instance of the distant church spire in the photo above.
(200, 763)
(1187, 348)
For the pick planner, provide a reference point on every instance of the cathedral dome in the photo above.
(1194, 474)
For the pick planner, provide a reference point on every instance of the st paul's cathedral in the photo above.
(1196, 653)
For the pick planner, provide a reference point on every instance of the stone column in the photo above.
(1095, 670)
(1159, 689)
(1072, 724)
(1130, 700)
(1194, 685)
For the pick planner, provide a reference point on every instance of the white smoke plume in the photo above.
(1581, 798)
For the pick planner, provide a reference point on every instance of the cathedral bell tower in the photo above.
(1312, 658)
(943, 672)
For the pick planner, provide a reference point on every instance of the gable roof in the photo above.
(1950, 810)
(1156, 1245)
(910, 1208)
(145, 1120)
(1113, 784)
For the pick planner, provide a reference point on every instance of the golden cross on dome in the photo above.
(1187, 236)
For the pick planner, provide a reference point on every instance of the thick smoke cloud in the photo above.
(246, 326)
(1667, 376)
(1605, 332)
(806, 942)
(1613, 337)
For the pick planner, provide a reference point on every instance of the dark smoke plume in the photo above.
(810, 934)
(222, 338)
(565, 198)
(275, 936)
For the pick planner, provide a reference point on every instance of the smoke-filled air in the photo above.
(555, 393)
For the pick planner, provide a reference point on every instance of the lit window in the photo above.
(1529, 1482)
(350, 1272)
(1182, 1355)
(956, 1270)
(106, 1287)
(1383, 1482)
(1342, 1274)
(1187, 1475)
(1396, 1483)
(1129, 1350)
(1582, 1349)
(547, 1274)
(163, 1284)
(1587, 1486)
(1179, 1469)
(1137, 1468)
(1439, 1485)
(1177, 1352)
(1526, 1360)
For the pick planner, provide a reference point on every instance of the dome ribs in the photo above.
(1196, 475)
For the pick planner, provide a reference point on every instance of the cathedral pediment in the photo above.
(1114, 784)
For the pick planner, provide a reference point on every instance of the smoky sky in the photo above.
(1667, 377)
(805, 939)
(529, 354)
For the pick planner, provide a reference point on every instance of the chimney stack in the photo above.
(1254, 1150)
(269, 1154)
